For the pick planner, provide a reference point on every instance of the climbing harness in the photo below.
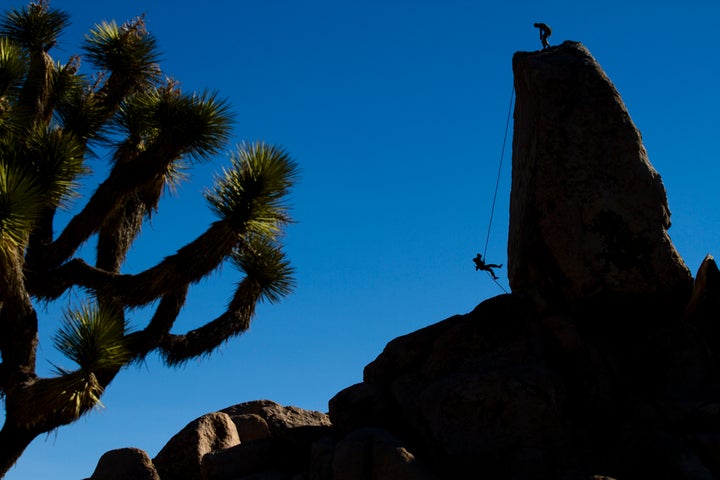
(497, 183)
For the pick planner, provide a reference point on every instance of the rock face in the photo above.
(123, 464)
(602, 364)
(375, 453)
(473, 393)
(181, 457)
(588, 213)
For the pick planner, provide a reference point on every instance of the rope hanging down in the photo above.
(480, 260)
(497, 181)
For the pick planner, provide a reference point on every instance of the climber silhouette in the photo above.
(545, 32)
(488, 267)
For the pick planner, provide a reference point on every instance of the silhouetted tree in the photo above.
(53, 120)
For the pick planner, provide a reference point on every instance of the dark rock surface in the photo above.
(377, 454)
(602, 364)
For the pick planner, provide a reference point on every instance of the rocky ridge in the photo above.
(602, 363)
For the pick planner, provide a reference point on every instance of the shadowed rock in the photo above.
(124, 464)
(267, 454)
(705, 302)
(373, 453)
(287, 423)
(181, 457)
(474, 394)
(588, 213)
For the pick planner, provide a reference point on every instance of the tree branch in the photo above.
(35, 92)
(190, 264)
(18, 322)
(123, 180)
(143, 342)
(177, 349)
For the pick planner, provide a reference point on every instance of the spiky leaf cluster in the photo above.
(196, 124)
(35, 26)
(81, 112)
(127, 50)
(253, 189)
(12, 65)
(93, 338)
(20, 202)
(263, 261)
(48, 158)
(57, 159)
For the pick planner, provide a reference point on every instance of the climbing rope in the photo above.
(497, 283)
(497, 186)
(497, 181)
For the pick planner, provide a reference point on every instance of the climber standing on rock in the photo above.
(545, 32)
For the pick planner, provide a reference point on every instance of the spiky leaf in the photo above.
(127, 50)
(12, 65)
(58, 160)
(80, 112)
(93, 338)
(251, 192)
(20, 203)
(36, 26)
(265, 264)
(198, 124)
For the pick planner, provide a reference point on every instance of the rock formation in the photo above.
(124, 464)
(181, 457)
(602, 363)
(588, 213)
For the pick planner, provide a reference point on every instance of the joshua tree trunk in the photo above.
(13, 443)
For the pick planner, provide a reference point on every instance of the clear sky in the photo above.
(395, 110)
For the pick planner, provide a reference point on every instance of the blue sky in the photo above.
(395, 110)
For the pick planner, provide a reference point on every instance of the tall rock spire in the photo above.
(588, 213)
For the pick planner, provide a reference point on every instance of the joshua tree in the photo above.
(53, 121)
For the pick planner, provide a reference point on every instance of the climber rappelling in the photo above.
(487, 267)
